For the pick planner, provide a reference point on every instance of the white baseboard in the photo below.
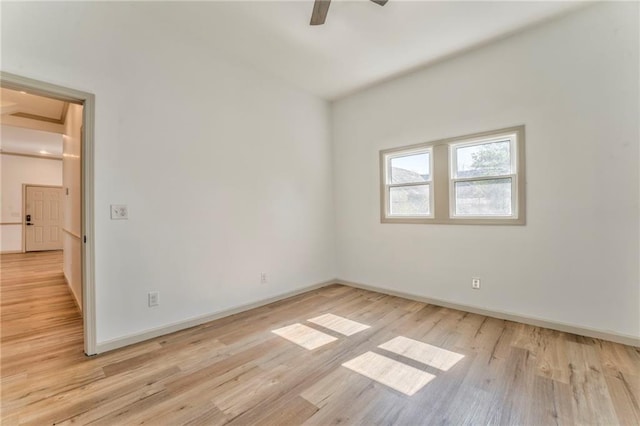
(11, 251)
(192, 322)
(75, 297)
(538, 322)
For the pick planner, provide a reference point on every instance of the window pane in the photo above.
(409, 200)
(410, 168)
(489, 159)
(483, 198)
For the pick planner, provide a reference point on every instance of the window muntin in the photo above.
(408, 184)
(475, 179)
(483, 178)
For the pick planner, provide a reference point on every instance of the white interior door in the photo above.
(43, 218)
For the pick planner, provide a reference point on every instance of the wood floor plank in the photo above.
(236, 371)
(591, 398)
(474, 384)
(295, 412)
(625, 396)
(211, 417)
(178, 412)
(550, 403)
(552, 361)
(72, 402)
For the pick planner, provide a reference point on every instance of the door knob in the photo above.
(29, 224)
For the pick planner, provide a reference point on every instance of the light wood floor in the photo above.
(462, 368)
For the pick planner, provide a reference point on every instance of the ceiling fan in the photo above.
(321, 7)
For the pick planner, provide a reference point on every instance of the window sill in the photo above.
(458, 221)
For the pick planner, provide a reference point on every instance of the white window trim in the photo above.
(388, 185)
(441, 183)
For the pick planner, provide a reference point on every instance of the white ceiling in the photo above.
(361, 42)
(28, 141)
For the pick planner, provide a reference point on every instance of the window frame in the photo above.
(442, 179)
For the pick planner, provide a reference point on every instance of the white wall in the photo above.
(574, 84)
(226, 172)
(15, 171)
(72, 183)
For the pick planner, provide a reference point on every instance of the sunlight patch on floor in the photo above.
(339, 324)
(391, 373)
(425, 353)
(304, 336)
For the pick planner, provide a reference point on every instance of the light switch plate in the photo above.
(119, 211)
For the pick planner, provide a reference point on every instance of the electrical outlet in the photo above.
(154, 298)
(263, 278)
(475, 283)
(119, 212)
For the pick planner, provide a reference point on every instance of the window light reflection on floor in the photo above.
(391, 373)
(425, 353)
(339, 324)
(398, 375)
(304, 336)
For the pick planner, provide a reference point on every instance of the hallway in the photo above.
(37, 306)
(41, 325)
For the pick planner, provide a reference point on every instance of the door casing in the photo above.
(87, 100)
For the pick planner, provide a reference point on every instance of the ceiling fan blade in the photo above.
(380, 2)
(320, 9)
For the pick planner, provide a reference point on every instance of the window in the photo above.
(483, 178)
(408, 185)
(474, 179)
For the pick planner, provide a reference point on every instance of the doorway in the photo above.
(85, 214)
